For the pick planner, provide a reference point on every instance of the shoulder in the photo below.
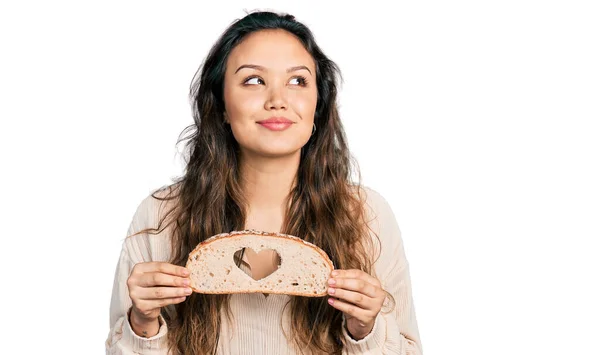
(149, 236)
(153, 208)
(373, 197)
(382, 223)
(376, 207)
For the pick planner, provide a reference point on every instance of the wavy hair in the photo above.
(325, 207)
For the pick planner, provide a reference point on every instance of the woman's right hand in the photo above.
(153, 285)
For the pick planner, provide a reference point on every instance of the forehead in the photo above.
(273, 49)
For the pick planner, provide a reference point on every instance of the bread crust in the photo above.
(254, 232)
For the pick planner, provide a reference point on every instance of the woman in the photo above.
(267, 152)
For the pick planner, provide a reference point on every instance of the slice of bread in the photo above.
(304, 268)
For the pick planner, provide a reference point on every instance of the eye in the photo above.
(253, 80)
(301, 81)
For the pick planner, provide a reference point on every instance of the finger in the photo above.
(148, 305)
(157, 293)
(356, 298)
(356, 274)
(351, 310)
(165, 268)
(159, 279)
(357, 285)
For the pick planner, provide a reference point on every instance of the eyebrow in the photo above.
(261, 68)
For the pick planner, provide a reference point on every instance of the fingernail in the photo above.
(188, 291)
(186, 282)
(186, 272)
(334, 273)
(331, 291)
(331, 282)
(330, 301)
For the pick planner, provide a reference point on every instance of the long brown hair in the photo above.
(325, 207)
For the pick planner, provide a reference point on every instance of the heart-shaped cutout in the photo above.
(259, 265)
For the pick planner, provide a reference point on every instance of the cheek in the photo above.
(306, 105)
(247, 104)
(241, 105)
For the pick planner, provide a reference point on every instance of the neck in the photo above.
(267, 181)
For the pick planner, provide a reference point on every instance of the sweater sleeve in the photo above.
(395, 330)
(121, 339)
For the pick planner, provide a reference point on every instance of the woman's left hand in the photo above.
(360, 296)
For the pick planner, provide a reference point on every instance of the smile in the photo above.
(276, 126)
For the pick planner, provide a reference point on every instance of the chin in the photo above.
(275, 151)
(274, 147)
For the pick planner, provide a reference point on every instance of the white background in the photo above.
(477, 120)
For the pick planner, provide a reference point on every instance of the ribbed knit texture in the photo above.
(258, 320)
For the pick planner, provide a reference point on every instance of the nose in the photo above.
(277, 99)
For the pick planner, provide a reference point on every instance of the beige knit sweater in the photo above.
(257, 320)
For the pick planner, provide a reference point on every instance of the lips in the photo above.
(276, 123)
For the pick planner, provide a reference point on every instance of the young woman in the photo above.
(267, 152)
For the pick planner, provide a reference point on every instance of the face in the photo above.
(270, 94)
